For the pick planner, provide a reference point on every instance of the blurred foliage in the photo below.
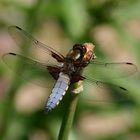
(113, 26)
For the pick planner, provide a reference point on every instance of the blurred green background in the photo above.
(113, 26)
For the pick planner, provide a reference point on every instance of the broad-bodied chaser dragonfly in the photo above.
(65, 70)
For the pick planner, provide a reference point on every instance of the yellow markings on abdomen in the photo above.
(59, 90)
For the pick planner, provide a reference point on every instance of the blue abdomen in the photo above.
(58, 92)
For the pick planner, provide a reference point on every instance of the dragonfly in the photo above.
(79, 64)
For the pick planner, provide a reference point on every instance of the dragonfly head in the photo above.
(83, 49)
(89, 46)
(89, 54)
(81, 52)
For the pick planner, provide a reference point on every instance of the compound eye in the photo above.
(84, 50)
(76, 46)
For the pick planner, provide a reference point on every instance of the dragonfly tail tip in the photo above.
(47, 110)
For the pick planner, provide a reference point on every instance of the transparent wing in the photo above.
(103, 71)
(37, 50)
(98, 76)
(99, 91)
(29, 70)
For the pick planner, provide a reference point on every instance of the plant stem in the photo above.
(68, 116)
